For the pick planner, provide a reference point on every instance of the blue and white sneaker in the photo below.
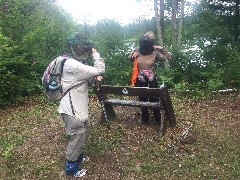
(82, 158)
(85, 159)
(80, 173)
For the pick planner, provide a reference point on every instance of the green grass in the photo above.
(33, 142)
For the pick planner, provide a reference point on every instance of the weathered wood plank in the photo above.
(132, 103)
(168, 108)
(133, 91)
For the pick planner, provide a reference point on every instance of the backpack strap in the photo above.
(61, 72)
(62, 64)
(70, 89)
(70, 98)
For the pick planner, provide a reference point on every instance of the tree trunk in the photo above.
(174, 25)
(179, 43)
(162, 19)
(236, 35)
(158, 22)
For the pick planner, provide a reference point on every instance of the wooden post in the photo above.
(168, 107)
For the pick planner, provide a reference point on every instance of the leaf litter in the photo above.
(129, 150)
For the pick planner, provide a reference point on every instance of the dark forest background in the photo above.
(203, 41)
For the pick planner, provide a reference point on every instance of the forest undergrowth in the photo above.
(33, 141)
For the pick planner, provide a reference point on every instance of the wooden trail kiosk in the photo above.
(164, 104)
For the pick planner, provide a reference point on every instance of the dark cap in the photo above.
(78, 38)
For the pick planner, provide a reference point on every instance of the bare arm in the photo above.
(163, 54)
(133, 55)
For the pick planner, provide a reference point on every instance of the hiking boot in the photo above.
(158, 121)
(157, 115)
(145, 121)
(80, 173)
(145, 115)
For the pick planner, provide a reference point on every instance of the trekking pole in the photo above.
(184, 134)
(100, 98)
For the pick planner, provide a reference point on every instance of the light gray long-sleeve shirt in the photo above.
(74, 72)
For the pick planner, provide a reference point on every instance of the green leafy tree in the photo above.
(216, 34)
(110, 41)
(33, 32)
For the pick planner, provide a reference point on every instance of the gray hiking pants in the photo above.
(77, 133)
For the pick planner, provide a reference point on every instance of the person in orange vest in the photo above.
(144, 74)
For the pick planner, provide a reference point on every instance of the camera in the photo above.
(87, 49)
(161, 50)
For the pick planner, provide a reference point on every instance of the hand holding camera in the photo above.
(87, 49)
(161, 49)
